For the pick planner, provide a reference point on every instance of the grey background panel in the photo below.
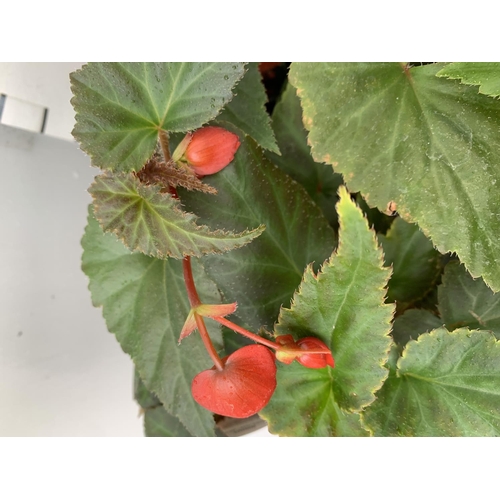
(61, 372)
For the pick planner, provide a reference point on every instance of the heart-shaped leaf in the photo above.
(242, 388)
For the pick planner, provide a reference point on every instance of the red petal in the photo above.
(242, 388)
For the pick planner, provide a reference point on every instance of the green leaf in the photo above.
(485, 74)
(264, 275)
(121, 107)
(427, 144)
(145, 305)
(343, 306)
(412, 323)
(145, 398)
(320, 182)
(302, 405)
(416, 264)
(159, 423)
(152, 222)
(248, 110)
(446, 384)
(467, 302)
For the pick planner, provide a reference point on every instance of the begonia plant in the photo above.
(324, 255)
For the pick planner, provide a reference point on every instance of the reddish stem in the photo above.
(208, 342)
(246, 333)
(194, 299)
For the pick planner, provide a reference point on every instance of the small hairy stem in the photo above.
(246, 333)
(163, 136)
(208, 342)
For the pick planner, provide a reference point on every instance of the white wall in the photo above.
(46, 85)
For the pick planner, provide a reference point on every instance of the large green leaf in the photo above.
(145, 305)
(343, 305)
(467, 302)
(262, 276)
(486, 75)
(159, 423)
(318, 179)
(248, 109)
(152, 222)
(302, 405)
(446, 384)
(428, 144)
(416, 264)
(121, 107)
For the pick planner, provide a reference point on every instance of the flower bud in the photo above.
(314, 360)
(211, 149)
(317, 356)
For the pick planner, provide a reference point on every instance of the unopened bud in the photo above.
(210, 149)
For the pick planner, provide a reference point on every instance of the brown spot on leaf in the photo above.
(391, 208)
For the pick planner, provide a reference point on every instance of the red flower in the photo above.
(242, 388)
(210, 150)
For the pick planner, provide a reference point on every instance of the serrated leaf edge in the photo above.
(309, 273)
(188, 216)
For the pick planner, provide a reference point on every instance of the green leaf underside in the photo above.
(343, 306)
(486, 75)
(262, 276)
(464, 302)
(159, 423)
(247, 110)
(412, 323)
(120, 107)
(318, 179)
(447, 384)
(416, 264)
(430, 145)
(145, 305)
(302, 405)
(153, 222)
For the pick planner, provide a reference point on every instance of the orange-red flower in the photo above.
(242, 388)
